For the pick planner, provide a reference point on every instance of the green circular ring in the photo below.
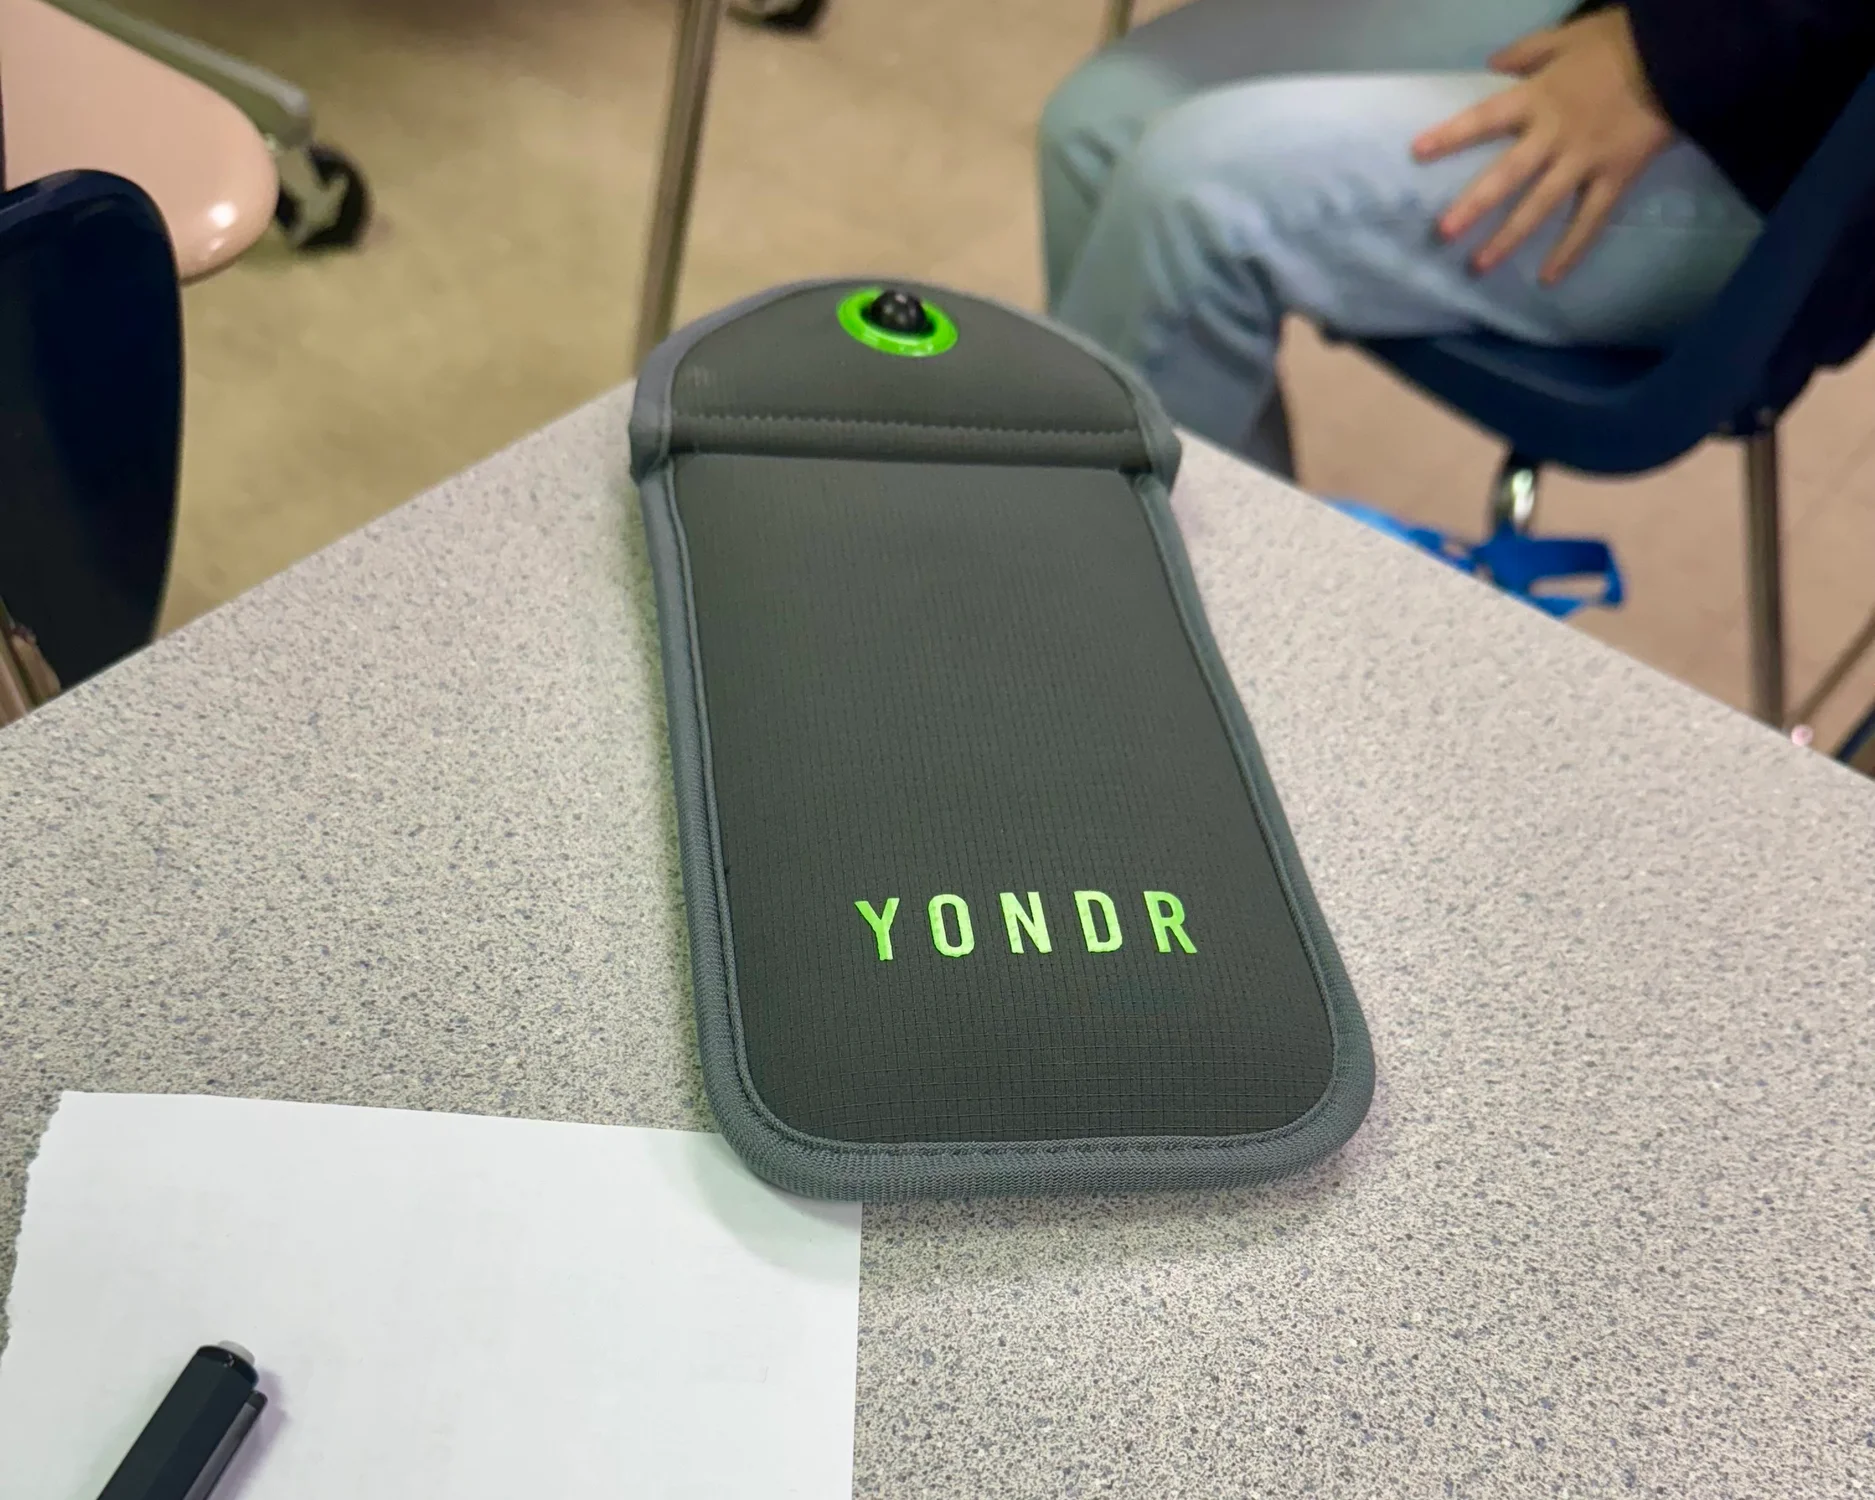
(942, 336)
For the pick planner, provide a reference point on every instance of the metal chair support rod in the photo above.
(677, 171)
(1764, 578)
(1832, 678)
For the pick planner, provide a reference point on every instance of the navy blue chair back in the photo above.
(90, 415)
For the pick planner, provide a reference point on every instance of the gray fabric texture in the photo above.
(819, 1166)
(785, 364)
(1046, 395)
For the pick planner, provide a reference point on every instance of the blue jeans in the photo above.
(1236, 160)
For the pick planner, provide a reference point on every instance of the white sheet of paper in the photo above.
(439, 1305)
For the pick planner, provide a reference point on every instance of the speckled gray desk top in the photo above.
(393, 829)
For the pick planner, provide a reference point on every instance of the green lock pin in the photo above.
(896, 322)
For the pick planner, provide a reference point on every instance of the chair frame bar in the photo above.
(1764, 577)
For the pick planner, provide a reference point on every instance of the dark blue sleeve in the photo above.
(1755, 83)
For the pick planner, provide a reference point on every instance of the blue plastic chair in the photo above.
(1622, 411)
(90, 416)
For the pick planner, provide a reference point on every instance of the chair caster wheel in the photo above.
(779, 15)
(324, 203)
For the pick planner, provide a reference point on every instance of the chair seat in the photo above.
(1584, 377)
(77, 99)
(1586, 409)
(91, 385)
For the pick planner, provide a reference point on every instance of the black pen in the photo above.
(183, 1449)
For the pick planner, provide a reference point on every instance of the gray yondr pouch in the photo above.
(988, 888)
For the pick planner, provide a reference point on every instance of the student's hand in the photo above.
(1585, 123)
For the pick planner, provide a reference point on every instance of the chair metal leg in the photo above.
(1858, 749)
(677, 171)
(1513, 495)
(279, 110)
(677, 166)
(1764, 578)
(1836, 673)
(323, 198)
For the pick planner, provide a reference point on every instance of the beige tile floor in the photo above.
(510, 145)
